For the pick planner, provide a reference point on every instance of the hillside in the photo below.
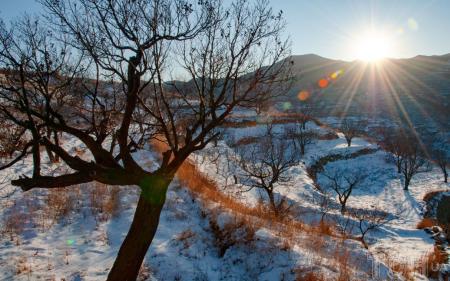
(212, 228)
(415, 90)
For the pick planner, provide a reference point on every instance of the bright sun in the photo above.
(372, 46)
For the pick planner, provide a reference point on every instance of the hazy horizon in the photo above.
(335, 29)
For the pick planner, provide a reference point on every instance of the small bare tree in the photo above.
(413, 161)
(395, 143)
(351, 128)
(325, 204)
(343, 183)
(306, 113)
(265, 164)
(301, 136)
(440, 152)
(442, 159)
(369, 220)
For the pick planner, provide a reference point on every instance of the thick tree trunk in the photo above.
(272, 202)
(349, 142)
(302, 149)
(445, 176)
(143, 228)
(49, 152)
(343, 208)
(406, 184)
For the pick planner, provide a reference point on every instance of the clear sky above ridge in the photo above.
(333, 28)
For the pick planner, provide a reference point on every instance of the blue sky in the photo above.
(333, 28)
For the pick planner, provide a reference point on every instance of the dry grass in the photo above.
(287, 227)
(237, 231)
(13, 224)
(325, 228)
(427, 197)
(430, 263)
(344, 262)
(59, 203)
(104, 201)
(185, 237)
(23, 266)
(245, 141)
(426, 222)
(309, 274)
(404, 269)
(241, 124)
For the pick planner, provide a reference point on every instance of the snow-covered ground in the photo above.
(81, 247)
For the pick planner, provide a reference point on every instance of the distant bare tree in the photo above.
(306, 113)
(440, 152)
(11, 139)
(442, 159)
(369, 220)
(343, 183)
(301, 136)
(325, 204)
(266, 163)
(351, 128)
(413, 161)
(395, 142)
(97, 71)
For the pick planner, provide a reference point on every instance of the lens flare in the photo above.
(412, 24)
(303, 95)
(336, 74)
(287, 105)
(323, 83)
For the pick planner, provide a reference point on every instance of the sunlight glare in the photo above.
(373, 46)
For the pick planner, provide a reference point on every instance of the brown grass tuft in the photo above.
(426, 222)
(308, 274)
(237, 231)
(430, 263)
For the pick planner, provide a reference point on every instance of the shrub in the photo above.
(104, 201)
(308, 274)
(430, 263)
(237, 231)
(14, 223)
(185, 237)
(59, 203)
(426, 222)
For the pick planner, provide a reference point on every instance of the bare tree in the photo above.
(351, 128)
(301, 136)
(265, 164)
(413, 161)
(306, 113)
(395, 143)
(111, 59)
(343, 183)
(325, 204)
(369, 220)
(11, 139)
(440, 152)
(442, 159)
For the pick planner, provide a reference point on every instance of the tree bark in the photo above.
(343, 208)
(272, 202)
(406, 184)
(349, 142)
(445, 176)
(142, 230)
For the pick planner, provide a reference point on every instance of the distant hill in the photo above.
(414, 90)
